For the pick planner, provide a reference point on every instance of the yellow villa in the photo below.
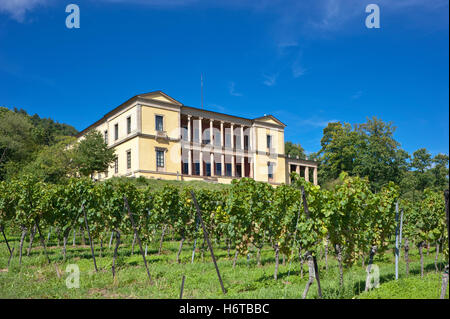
(156, 136)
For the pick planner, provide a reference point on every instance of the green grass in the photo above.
(158, 184)
(415, 287)
(36, 279)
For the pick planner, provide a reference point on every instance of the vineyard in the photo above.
(303, 241)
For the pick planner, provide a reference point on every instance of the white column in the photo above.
(251, 167)
(211, 132)
(242, 137)
(189, 129)
(233, 166)
(315, 176)
(307, 173)
(212, 164)
(200, 131)
(232, 136)
(250, 139)
(243, 166)
(222, 171)
(297, 169)
(190, 162)
(221, 135)
(201, 163)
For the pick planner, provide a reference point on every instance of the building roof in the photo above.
(270, 117)
(153, 94)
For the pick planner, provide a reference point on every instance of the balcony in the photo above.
(161, 135)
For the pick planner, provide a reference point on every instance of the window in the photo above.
(227, 139)
(219, 169)
(270, 170)
(246, 142)
(116, 131)
(116, 165)
(128, 159)
(239, 170)
(208, 169)
(185, 133)
(228, 169)
(196, 168)
(159, 158)
(128, 124)
(106, 137)
(185, 168)
(159, 123)
(217, 138)
(196, 134)
(269, 141)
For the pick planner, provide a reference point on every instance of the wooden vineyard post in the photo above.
(33, 233)
(445, 275)
(401, 229)
(316, 271)
(111, 239)
(42, 240)
(207, 240)
(162, 239)
(22, 238)
(400, 236)
(89, 235)
(182, 286)
(113, 267)
(396, 240)
(6, 240)
(10, 256)
(137, 237)
(312, 262)
(195, 241)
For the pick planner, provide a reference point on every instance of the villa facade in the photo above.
(156, 136)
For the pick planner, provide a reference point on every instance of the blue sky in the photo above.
(305, 62)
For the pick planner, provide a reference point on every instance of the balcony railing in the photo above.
(161, 134)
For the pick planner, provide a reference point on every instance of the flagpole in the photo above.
(201, 84)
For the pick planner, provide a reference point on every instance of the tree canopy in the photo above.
(294, 150)
(370, 150)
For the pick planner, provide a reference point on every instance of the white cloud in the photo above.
(316, 122)
(158, 3)
(233, 90)
(284, 47)
(18, 9)
(290, 16)
(217, 107)
(357, 95)
(298, 121)
(270, 80)
(298, 70)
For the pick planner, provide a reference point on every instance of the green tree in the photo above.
(22, 138)
(440, 171)
(421, 163)
(339, 150)
(421, 160)
(92, 154)
(16, 141)
(345, 208)
(46, 129)
(53, 164)
(294, 150)
(367, 150)
(379, 157)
